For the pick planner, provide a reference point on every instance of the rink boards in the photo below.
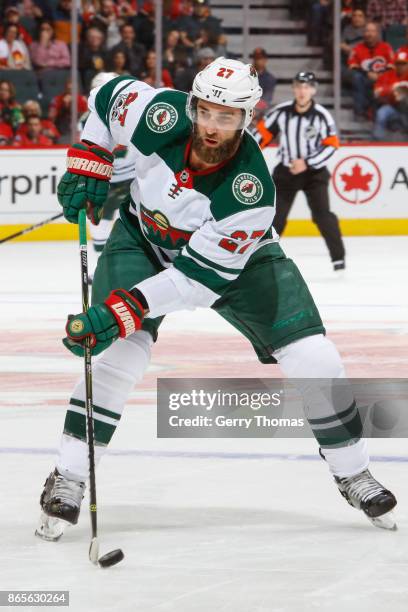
(368, 191)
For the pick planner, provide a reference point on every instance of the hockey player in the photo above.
(123, 174)
(196, 231)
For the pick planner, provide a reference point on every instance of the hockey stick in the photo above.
(31, 228)
(114, 556)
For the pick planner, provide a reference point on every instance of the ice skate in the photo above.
(60, 504)
(365, 493)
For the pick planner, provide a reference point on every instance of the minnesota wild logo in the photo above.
(161, 117)
(156, 227)
(247, 188)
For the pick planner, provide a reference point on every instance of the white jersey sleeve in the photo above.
(215, 256)
(115, 111)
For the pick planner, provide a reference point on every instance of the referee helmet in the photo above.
(306, 77)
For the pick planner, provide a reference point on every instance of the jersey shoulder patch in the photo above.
(247, 182)
(105, 99)
(163, 122)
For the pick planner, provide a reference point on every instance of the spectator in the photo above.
(391, 89)
(134, 50)
(126, 9)
(192, 26)
(346, 12)
(266, 79)
(36, 9)
(12, 15)
(13, 52)
(92, 56)
(352, 34)
(6, 134)
(143, 25)
(46, 51)
(107, 21)
(172, 45)
(118, 62)
(32, 11)
(319, 19)
(220, 47)
(10, 110)
(59, 111)
(387, 12)
(203, 41)
(183, 73)
(368, 60)
(33, 135)
(61, 16)
(31, 108)
(204, 56)
(149, 72)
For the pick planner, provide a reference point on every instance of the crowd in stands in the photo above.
(118, 36)
(374, 57)
(114, 36)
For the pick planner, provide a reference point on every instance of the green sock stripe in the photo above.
(75, 425)
(335, 417)
(97, 409)
(340, 435)
(99, 247)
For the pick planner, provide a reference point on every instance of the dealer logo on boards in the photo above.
(356, 179)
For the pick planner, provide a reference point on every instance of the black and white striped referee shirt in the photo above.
(310, 136)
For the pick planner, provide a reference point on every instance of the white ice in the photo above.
(215, 525)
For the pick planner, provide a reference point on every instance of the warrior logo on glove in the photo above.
(86, 182)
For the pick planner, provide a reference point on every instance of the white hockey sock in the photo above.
(328, 399)
(349, 460)
(114, 375)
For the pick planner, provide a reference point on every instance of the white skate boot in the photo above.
(365, 493)
(60, 504)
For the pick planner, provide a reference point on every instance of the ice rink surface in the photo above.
(215, 525)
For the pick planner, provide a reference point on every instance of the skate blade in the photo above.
(386, 521)
(50, 528)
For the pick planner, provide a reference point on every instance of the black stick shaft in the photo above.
(88, 375)
(31, 228)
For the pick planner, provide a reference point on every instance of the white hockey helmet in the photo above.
(101, 78)
(226, 82)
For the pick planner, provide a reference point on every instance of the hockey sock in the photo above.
(317, 371)
(100, 234)
(114, 375)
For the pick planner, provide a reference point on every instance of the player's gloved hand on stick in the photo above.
(119, 316)
(86, 181)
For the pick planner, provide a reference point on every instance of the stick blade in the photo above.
(94, 551)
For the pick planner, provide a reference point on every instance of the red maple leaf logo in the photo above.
(247, 188)
(162, 117)
(356, 180)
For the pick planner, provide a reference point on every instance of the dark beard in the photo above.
(216, 155)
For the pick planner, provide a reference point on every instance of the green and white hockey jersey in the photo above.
(203, 226)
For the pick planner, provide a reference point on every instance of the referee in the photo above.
(307, 140)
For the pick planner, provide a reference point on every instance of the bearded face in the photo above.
(214, 154)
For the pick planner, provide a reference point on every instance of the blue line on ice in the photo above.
(200, 454)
